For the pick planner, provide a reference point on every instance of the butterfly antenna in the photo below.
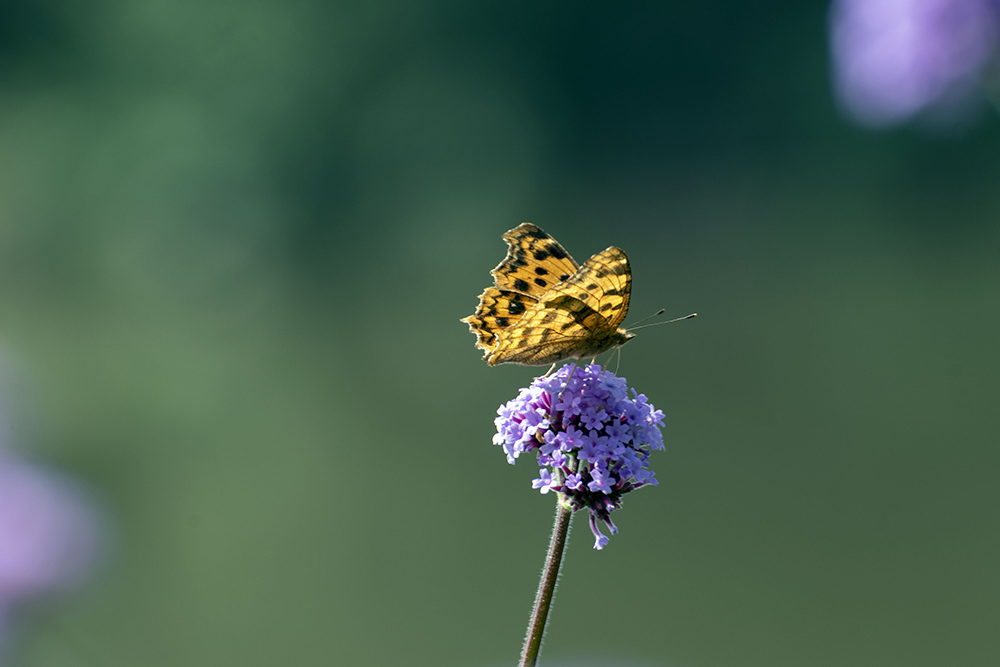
(649, 317)
(656, 324)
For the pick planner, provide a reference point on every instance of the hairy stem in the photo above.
(547, 585)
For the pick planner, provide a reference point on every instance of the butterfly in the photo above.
(545, 308)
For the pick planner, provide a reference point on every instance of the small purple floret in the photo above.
(544, 481)
(594, 440)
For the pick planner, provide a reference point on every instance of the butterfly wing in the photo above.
(576, 318)
(497, 311)
(535, 262)
(604, 283)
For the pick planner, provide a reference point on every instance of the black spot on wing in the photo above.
(521, 286)
(541, 271)
(540, 282)
(556, 251)
(516, 307)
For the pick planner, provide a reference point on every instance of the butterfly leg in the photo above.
(548, 372)
(618, 351)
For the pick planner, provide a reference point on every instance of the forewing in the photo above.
(604, 283)
(497, 311)
(534, 263)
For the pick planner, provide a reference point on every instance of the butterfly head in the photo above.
(623, 336)
(617, 339)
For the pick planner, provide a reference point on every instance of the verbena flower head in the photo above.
(593, 441)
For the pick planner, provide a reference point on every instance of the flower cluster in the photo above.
(593, 441)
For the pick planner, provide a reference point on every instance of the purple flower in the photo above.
(535, 420)
(592, 471)
(602, 539)
(568, 405)
(544, 481)
(594, 418)
(570, 439)
(618, 432)
(893, 59)
(574, 482)
(600, 480)
(48, 534)
(551, 443)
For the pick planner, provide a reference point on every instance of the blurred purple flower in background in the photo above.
(50, 534)
(893, 59)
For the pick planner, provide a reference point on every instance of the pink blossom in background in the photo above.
(893, 59)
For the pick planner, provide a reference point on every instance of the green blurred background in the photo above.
(235, 243)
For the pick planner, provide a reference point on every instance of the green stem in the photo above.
(547, 586)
